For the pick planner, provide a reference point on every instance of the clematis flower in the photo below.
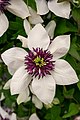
(41, 67)
(17, 7)
(7, 114)
(61, 9)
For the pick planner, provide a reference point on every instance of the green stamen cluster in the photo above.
(39, 61)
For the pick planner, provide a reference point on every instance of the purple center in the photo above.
(3, 4)
(39, 62)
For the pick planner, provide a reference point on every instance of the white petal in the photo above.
(2, 97)
(23, 96)
(60, 46)
(19, 8)
(3, 113)
(19, 81)
(44, 88)
(34, 18)
(7, 85)
(42, 7)
(13, 116)
(4, 24)
(38, 37)
(34, 117)
(50, 28)
(23, 40)
(60, 9)
(63, 73)
(27, 26)
(37, 102)
(14, 58)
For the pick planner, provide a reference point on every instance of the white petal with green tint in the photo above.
(19, 81)
(4, 24)
(23, 96)
(61, 9)
(42, 7)
(18, 8)
(44, 88)
(38, 37)
(60, 46)
(63, 73)
(34, 117)
(37, 102)
(50, 28)
(13, 116)
(34, 18)
(7, 85)
(27, 26)
(23, 40)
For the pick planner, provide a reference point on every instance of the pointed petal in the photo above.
(44, 88)
(23, 40)
(18, 8)
(2, 97)
(7, 85)
(13, 116)
(63, 73)
(38, 37)
(27, 26)
(34, 18)
(34, 117)
(14, 58)
(4, 24)
(42, 7)
(23, 96)
(60, 9)
(50, 28)
(60, 46)
(37, 102)
(19, 81)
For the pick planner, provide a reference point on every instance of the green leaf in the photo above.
(78, 84)
(51, 113)
(73, 110)
(76, 14)
(73, 52)
(69, 93)
(64, 26)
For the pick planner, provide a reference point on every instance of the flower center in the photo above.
(3, 4)
(39, 62)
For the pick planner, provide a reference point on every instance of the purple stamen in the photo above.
(3, 4)
(39, 62)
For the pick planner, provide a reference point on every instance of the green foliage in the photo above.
(73, 110)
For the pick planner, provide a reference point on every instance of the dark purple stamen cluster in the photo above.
(3, 4)
(36, 70)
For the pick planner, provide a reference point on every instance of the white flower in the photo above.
(17, 7)
(34, 117)
(41, 67)
(61, 9)
(6, 115)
